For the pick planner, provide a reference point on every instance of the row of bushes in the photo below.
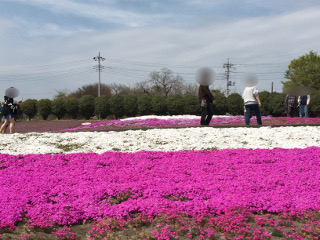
(131, 105)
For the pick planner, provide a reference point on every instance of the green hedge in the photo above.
(131, 105)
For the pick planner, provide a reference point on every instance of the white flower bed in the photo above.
(161, 140)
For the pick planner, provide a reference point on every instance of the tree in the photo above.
(29, 107)
(72, 107)
(92, 90)
(304, 71)
(144, 105)
(143, 87)
(221, 107)
(101, 106)
(130, 104)
(116, 105)
(235, 104)
(165, 82)
(276, 104)
(175, 104)
(44, 108)
(265, 106)
(159, 105)
(315, 104)
(58, 108)
(191, 104)
(86, 106)
(120, 89)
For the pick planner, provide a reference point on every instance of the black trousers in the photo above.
(206, 114)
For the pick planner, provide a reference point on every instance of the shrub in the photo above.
(58, 108)
(315, 104)
(265, 106)
(72, 107)
(221, 107)
(130, 104)
(44, 108)
(144, 105)
(191, 104)
(101, 106)
(116, 105)
(175, 104)
(159, 105)
(86, 106)
(235, 104)
(276, 104)
(29, 107)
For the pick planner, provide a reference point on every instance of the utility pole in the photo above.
(272, 87)
(228, 66)
(99, 68)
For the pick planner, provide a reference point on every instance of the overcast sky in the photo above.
(49, 45)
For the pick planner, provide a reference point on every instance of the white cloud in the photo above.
(264, 44)
(99, 11)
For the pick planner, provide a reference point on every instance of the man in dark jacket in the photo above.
(206, 100)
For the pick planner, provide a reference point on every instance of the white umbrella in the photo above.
(12, 92)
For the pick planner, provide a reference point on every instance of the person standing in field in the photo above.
(8, 111)
(205, 77)
(303, 102)
(206, 100)
(251, 99)
(291, 105)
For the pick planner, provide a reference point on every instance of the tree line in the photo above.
(118, 105)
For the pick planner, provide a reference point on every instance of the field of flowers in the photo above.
(193, 183)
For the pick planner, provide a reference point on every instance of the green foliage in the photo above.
(175, 104)
(44, 108)
(314, 106)
(101, 106)
(72, 107)
(29, 107)
(86, 106)
(130, 104)
(235, 104)
(265, 106)
(304, 71)
(116, 105)
(144, 105)
(191, 104)
(221, 107)
(159, 105)
(58, 108)
(277, 104)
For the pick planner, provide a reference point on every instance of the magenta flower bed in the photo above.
(182, 122)
(66, 189)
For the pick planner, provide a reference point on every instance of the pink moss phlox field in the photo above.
(66, 189)
(187, 122)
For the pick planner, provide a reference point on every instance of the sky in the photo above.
(49, 45)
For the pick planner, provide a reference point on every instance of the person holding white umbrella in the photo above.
(9, 109)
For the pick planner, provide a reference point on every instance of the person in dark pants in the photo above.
(206, 100)
(252, 103)
(291, 105)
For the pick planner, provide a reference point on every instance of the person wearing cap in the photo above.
(9, 110)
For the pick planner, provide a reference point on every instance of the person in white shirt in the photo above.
(303, 102)
(251, 99)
